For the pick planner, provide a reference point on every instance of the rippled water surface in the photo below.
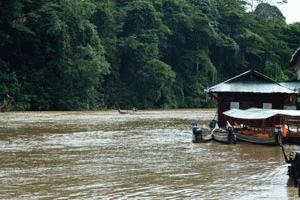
(146, 154)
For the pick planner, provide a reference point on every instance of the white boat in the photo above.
(201, 134)
(224, 135)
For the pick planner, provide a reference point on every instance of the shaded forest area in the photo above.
(93, 54)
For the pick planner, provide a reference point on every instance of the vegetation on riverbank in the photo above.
(71, 55)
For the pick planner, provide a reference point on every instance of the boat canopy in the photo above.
(258, 113)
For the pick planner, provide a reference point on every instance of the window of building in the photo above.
(289, 108)
(235, 105)
(267, 105)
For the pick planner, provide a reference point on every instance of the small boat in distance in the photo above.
(201, 134)
(127, 111)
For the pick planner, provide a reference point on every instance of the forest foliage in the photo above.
(93, 54)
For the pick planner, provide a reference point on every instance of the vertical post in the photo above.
(298, 187)
(278, 135)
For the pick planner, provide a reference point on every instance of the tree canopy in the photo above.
(92, 54)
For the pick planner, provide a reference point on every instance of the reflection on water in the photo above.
(148, 154)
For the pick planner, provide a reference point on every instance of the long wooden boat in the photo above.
(255, 139)
(293, 130)
(293, 161)
(201, 134)
(292, 138)
(223, 136)
(263, 126)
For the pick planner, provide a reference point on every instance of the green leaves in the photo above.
(140, 16)
(72, 57)
(91, 54)
(155, 81)
(269, 13)
(9, 85)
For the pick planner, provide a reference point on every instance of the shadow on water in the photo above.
(146, 155)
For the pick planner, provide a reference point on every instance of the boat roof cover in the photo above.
(258, 113)
(250, 82)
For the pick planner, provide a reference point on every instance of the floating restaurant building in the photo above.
(251, 89)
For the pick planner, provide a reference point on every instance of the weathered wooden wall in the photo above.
(248, 100)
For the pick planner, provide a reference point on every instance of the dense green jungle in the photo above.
(103, 54)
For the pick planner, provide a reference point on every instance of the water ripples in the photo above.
(104, 155)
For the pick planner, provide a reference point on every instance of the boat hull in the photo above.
(220, 138)
(201, 135)
(207, 138)
(293, 138)
(220, 135)
(256, 140)
(203, 139)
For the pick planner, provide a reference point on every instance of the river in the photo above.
(146, 154)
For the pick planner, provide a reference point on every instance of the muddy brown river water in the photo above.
(141, 155)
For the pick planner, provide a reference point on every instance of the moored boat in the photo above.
(267, 139)
(201, 134)
(293, 129)
(126, 111)
(224, 135)
(293, 161)
(261, 126)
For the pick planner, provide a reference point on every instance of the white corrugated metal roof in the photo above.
(250, 87)
(294, 85)
(234, 84)
(257, 113)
